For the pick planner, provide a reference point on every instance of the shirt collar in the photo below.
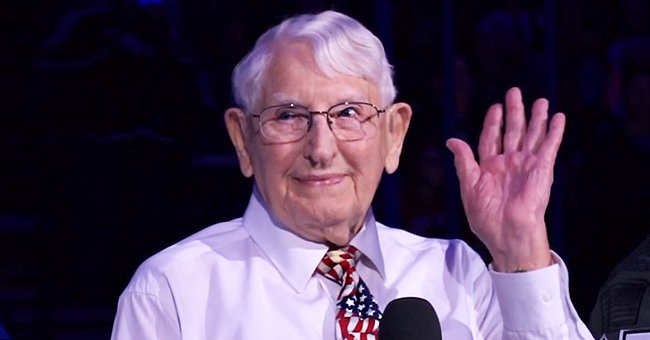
(294, 257)
(367, 241)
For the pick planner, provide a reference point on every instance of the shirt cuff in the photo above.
(531, 300)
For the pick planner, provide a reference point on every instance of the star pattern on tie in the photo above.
(358, 314)
(361, 304)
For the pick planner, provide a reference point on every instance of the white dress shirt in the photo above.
(250, 278)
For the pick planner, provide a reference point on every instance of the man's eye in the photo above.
(348, 112)
(287, 115)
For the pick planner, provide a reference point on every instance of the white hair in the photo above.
(340, 44)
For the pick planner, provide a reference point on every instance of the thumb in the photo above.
(467, 168)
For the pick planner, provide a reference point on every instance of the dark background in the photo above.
(112, 142)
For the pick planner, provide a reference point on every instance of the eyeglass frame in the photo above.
(326, 113)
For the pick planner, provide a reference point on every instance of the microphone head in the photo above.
(409, 318)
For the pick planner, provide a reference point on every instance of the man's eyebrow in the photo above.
(353, 96)
(282, 98)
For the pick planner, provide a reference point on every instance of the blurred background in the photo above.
(112, 142)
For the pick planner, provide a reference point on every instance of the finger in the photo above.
(537, 125)
(467, 168)
(551, 144)
(515, 121)
(490, 140)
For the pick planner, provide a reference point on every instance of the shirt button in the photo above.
(547, 297)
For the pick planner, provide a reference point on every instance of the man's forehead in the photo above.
(342, 96)
(292, 71)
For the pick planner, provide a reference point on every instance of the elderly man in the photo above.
(316, 126)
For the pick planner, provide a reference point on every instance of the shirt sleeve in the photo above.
(536, 304)
(145, 315)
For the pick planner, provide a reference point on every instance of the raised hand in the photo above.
(505, 193)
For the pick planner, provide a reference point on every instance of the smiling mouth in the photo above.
(320, 181)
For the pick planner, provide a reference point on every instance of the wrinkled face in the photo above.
(319, 187)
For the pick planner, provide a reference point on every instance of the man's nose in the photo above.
(321, 147)
(316, 114)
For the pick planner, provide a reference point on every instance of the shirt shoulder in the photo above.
(205, 248)
(453, 254)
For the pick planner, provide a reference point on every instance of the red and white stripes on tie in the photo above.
(358, 316)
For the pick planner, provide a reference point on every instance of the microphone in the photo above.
(409, 318)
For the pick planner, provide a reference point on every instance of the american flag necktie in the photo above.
(358, 313)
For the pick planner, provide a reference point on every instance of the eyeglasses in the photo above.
(287, 123)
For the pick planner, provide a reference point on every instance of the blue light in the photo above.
(149, 2)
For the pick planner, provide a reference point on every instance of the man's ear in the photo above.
(237, 129)
(398, 120)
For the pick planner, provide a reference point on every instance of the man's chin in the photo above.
(340, 234)
(325, 227)
(338, 231)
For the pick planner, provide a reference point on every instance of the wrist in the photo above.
(519, 266)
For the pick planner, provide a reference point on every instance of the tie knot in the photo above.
(344, 254)
(358, 313)
(338, 263)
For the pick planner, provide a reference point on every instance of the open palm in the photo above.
(505, 193)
